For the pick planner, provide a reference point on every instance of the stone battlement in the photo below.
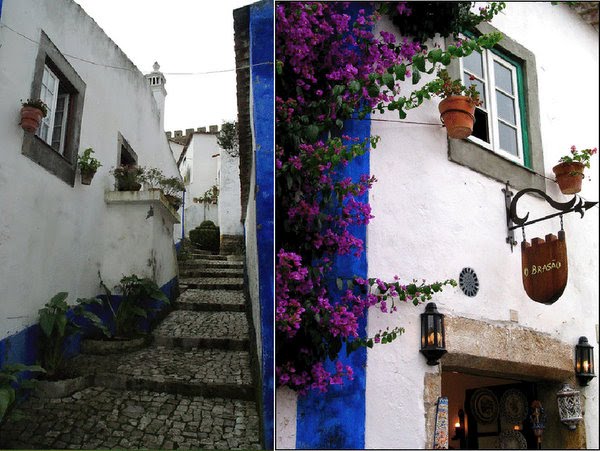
(179, 135)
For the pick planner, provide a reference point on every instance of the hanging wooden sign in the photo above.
(544, 267)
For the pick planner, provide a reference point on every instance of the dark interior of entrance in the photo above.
(488, 412)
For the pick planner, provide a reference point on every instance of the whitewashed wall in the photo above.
(53, 236)
(230, 210)
(444, 217)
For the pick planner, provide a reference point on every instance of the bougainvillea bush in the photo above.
(330, 67)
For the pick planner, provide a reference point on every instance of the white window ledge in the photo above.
(154, 197)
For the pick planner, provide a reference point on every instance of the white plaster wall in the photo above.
(434, 217)
(52, 235)
(203, 148)
(445, 217)
(197, 213)
(252, 269)
(230, 210)
(177, 148)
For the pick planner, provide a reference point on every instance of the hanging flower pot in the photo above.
(457, 113)
(87, 176)
(569, 171)
(32, 113)
(569, 177)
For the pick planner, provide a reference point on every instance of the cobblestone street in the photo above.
(192, 388)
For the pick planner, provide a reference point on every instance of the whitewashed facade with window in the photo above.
(55, 233)
(439, 207)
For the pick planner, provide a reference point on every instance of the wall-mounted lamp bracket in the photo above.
(513, 221)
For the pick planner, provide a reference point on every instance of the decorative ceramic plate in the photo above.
(484, 405)
(513, 406)
(512, 440)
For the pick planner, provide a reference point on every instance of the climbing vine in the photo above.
(330, 66)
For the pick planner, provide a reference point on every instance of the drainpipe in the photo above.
(0, 8)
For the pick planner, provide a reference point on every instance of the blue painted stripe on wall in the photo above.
(22, 347)
(336, 419)
(0, 8)
(263, 97)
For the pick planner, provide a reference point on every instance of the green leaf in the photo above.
(339, 123)
(339, 283)
(59, 297)
(7, 396)
(338, 89)
(419, 62)
(434, 56)
(312, 133)
(373, 90)
(416, 76)
(138, 311)
(354, 86)
(400, 71)
(388, 80)
(61, 324)
(46, 322)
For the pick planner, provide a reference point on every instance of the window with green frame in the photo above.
(506, 144)
(500, 122)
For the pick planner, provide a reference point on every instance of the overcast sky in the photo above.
(188, 36)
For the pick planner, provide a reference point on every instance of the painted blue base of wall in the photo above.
(22, 347)
(263, 95)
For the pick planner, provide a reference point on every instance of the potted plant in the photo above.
(32, 113)
(11, 382)
(58, 327)
(139, 297)
(152, 179)
(88, 166)
(128, 177)
(170, 187)
(569, 171)
(457, 109)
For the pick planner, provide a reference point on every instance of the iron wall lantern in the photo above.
(433, 336)
(584, 361)
(569, 406)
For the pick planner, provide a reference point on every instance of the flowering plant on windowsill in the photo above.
(579, 156)
(445, 87)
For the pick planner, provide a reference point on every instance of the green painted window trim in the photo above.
(521, 95)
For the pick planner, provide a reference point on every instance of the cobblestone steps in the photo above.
(192, 389)
(212, 283)
(211, 273)
(190, 329)
(104, 418)
(199, 372)
(201, 263)
(211, 300)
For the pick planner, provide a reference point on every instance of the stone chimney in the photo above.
(157, 82)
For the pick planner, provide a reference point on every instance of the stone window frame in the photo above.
(62, 166)
(489, 163)
(123, 145)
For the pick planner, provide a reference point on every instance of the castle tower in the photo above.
(157, 82)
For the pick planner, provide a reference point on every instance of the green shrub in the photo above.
(206, 236)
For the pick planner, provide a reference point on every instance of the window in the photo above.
(126, 155)
(55, 145)
(55, 95)
(498, 119)
(506, 139)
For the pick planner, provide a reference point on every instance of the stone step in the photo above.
(202, 263)
(214, 257)
(211, 300)
(104, 418)
(212, 283)
(189, 329)
(200, 372)
(211, 272)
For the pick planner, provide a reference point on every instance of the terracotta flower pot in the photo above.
(458, 115)
(569, 176)
(87, 176)
(31, 118)
(174, 201)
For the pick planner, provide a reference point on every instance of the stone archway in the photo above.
(507, 350)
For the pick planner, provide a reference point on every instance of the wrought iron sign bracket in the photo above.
(513, 221)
